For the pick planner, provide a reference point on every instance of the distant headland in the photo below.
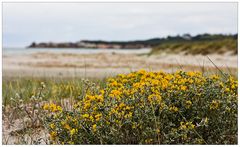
(138, 44)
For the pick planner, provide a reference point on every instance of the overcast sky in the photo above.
(24, 23)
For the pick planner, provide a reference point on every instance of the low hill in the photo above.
(200, 44)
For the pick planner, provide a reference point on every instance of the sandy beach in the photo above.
(100, 65)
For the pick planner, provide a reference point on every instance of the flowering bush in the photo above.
(150, 108)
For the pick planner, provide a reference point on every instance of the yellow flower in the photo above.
(46, 107)
(148, 140)
(129, 115)
(191, 73)
(141, 71)
(94, 127)
(66, 126)
(121, 105)
(188, 104)
(115, 92)
(154, 98)
(228, 109)
(113, 84)
(102, 92)
(187, 125)
(183, 126)
(53, 107)
(215, 77)
(73, 131)
(117, 121)
(63, 122)
(214, 104)
(190, 125)
(98, 116)
(173, 109)
(190, 81)
(90, 97)
(134, 126)
(52, 126)
(227, 90)
(70, 142)
(127, 108)
(59, 108)
(85, 115)
(53, 135)
(91, 118)
(183, 88)
(87, 105)
(205, 121)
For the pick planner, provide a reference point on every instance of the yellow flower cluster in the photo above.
(52, 107)
(214, 104)
(187, 125)
(137, 104)
(173, 109)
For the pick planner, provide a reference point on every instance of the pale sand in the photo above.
(107, 64)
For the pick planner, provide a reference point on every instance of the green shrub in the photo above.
(150, 108)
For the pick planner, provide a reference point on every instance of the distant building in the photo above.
(86, 44)
(187, 37)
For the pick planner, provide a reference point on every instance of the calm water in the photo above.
(7, 51)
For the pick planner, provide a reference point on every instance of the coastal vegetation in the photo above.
(150, 108)
(141, 107)
(57, 88)
(199, 44)
(205, 45)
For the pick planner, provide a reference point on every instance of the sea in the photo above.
(12, 51)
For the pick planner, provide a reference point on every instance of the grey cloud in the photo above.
(24, 22)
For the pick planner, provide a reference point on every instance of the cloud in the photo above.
(27, 22)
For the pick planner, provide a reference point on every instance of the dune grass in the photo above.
(219, 46)
(56, 88)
